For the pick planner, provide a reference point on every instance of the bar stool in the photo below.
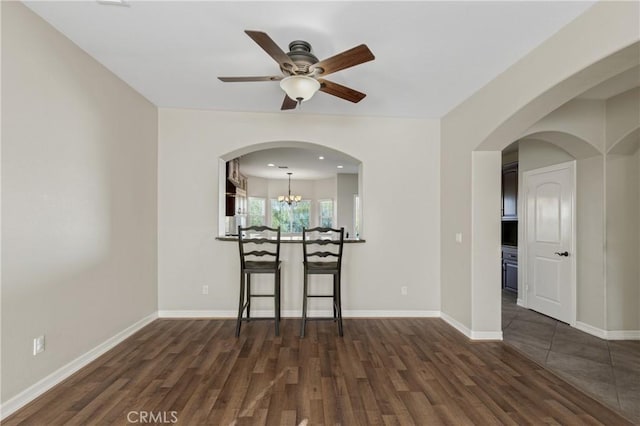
(257, 259)
(316, 263)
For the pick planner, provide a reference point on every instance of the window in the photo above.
(256, 211)
(292, 218)
(325, 210)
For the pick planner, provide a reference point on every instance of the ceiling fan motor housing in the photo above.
(300, 54)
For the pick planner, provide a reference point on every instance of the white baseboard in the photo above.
(196, 314)
(390, 314)
(520, 302)
(37, 389)
(623, 335)
(589, 329)
(608, 334)
(473, 335)
(456, 324)
(298, 314)
(486, 335)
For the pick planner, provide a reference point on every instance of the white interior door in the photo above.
(549, 241)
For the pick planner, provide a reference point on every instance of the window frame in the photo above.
(288, 231)
(333, 213)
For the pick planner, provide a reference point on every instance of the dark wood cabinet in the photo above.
(235, 190)
(510, 268)
(230, 199)
(510, 191)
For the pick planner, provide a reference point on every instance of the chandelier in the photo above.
(289, 199)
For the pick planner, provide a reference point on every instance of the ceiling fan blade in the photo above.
(340, 91)
(288, 103)
(244, 79)
(348, 58)
(270, 46)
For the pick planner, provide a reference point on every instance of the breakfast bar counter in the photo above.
(290, 240)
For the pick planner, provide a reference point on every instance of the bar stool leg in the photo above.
(339, 304)
(248, 297)
(241, 304)
(279, 294)
(276, 301)
(335, 298)
(304, 304)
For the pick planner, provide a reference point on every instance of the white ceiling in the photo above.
(430, 55)
(304, 163)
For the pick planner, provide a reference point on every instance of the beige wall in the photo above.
(623, 245)
(400, 161)
(590, 211)
(622, 211)
(347, 188)
(485, 210)
(535, 154)
(78, 201)
(257, 187)
(623, 116)
(581, 118)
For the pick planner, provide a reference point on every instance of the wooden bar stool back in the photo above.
(322, 255)
(259, 254)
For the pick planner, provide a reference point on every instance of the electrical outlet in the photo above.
(205, 289)
(38, 345)
(404, 290)
(458, 237)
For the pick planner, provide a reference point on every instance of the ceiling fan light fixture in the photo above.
(300, 87)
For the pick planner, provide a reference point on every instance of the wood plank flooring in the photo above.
(382, 372)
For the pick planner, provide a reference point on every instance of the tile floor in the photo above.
(607, 370)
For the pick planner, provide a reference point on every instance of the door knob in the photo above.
(564, 253)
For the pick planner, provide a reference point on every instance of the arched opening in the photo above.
(256, 182)
(484, 299)
(541, 155)
(628, 144)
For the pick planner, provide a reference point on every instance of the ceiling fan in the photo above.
(302, 73)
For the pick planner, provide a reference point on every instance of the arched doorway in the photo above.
(474, 134)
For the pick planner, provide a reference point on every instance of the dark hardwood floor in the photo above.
(383, 371)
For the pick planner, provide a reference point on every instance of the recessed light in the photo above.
(340, 167)
(321, 158)
(271, 165)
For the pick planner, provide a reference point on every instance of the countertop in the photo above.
(294, 240)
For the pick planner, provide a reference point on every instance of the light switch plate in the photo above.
(38, 345)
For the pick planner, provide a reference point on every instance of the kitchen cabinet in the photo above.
(233, 171)
(510, 191)
(510, 268)
(235, 189)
